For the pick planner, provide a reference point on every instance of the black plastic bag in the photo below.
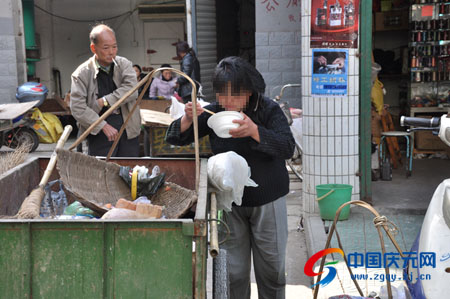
(53, 203)
(145, 186)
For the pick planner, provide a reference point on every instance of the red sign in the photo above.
(334, 23)
(427, 10)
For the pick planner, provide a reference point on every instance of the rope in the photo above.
(383, 221)
(379, 222)
(346, 263)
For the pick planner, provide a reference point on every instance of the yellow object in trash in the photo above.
(377, 96)
(134, 179)
(47, 126)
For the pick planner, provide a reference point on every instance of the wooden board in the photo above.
(156, 105)
(11, 111)
(151, 117)
(57, 106)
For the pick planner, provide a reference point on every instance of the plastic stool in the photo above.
(408, 147)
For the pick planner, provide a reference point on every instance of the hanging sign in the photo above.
(334, 23)
(329, 72)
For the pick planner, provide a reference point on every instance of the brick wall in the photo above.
(278, 50)
(11, 50)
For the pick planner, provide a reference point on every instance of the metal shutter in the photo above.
(206, 43)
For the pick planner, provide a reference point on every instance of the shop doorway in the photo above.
(161, 38)
(406, 39)
(236, 29)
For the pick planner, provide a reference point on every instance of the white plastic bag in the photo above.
(296, 129)
(229, 173)
(177, 109)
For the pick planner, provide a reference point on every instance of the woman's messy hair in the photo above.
(241, 74)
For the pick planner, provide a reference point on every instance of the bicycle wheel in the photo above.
(23, 135)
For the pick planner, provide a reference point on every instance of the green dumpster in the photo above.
(163, 258)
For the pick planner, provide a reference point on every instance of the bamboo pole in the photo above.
(213, 235)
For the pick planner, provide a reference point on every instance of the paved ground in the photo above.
(411, 195)
(403, 201)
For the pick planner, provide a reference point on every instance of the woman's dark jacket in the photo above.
(191, 67)
(266, 159)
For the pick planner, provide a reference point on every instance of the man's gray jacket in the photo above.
(84, 89)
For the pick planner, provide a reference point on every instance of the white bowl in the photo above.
(222, 122)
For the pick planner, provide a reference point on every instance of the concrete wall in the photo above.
(12, 53)
(278, 48)
(65, 43)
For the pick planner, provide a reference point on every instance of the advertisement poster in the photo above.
(329, 73)
(334, 23)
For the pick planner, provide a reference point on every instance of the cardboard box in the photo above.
(392, 20)
(425, 140)
(157, 105)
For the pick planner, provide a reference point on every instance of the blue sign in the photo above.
(329, 72)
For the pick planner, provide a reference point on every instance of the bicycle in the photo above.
(295, 162)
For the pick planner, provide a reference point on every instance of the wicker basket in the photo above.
(95, 183)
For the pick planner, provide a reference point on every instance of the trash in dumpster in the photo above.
(53, 203)
(142, 206)
(143, 211)
(96, 183)
(122, 203)
(149, 210)
(140, 182)
(71, 217)
(77, 209)
(142, 199)
(119, 213)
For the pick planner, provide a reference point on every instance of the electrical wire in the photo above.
(130, 12)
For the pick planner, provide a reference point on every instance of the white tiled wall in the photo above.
(330, 128)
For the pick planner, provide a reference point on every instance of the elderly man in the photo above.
(97, 84)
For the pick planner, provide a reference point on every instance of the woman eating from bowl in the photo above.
(264, 139)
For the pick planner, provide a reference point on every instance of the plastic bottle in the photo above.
(46, 209)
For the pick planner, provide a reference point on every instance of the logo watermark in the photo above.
(381, 277)
(331, 270)
(412, 259)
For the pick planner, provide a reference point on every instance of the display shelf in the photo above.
(432, 82)
(427, 152)
(421, 110)
(431, 43)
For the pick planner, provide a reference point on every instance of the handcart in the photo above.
(153, 258)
